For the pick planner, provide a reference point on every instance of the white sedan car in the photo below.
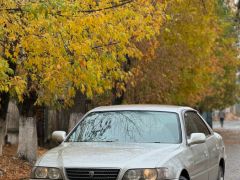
(136, 142)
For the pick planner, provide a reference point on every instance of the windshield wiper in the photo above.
(104, 141)
(95, 141)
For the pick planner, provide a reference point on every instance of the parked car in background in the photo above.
(136, 142)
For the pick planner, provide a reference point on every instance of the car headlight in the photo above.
(46, 173)
(150, 174)
(146, 174)
(41, 172)
(54, 173)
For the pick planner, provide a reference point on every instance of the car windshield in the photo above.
(128, 127)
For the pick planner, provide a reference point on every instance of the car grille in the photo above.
(93, 174)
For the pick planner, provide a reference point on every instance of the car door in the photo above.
(198, 153)
(213, 148)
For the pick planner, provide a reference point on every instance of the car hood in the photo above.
(118, 155)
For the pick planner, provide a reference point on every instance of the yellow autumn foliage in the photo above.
(62, 46)
(195, 62)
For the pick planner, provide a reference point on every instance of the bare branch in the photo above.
(123, 3)
(106, 8)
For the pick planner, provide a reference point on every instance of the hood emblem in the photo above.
(91, 174)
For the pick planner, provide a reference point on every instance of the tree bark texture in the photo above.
(12, 123)
(27, 147)
(2, 134)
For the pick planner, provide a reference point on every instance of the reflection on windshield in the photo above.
(128, 127)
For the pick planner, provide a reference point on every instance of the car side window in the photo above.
(195, 124)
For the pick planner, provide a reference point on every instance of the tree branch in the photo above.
(106, 8)
(105, 45)
(204, 5)
(123, 3)
(11, 9)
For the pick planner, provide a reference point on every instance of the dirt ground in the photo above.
(13, 168)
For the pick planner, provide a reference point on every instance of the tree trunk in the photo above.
(12, 123)
(27, 147)
(74, 119)
(78, 110)
(27, 142)
(2, 134)
(117, 99)
(118, 94)
(4, 99)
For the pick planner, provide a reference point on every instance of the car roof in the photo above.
(143, 107)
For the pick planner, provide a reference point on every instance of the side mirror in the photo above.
(197, 138)
(59, 136)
